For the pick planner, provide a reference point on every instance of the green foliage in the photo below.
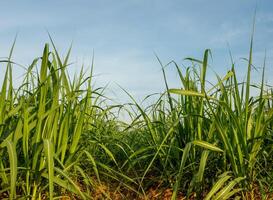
(61, 136)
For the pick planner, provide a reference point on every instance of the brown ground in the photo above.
(154, 193)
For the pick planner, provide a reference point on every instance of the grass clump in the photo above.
(59, 136)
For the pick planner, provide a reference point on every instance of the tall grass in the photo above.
(41, 126)
(59, 136)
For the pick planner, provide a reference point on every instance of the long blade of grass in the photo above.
(11, 146)
(49, 152)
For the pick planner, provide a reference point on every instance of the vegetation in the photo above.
(60, 137)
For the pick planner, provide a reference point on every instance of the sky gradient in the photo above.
(126, 35)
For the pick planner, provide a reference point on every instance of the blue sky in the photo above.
(126, 34)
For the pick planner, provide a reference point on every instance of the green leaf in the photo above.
(49, 152)
(207, 145)
(189, 93)
(13, 167)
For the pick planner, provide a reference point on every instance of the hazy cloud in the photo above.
(126, 34)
